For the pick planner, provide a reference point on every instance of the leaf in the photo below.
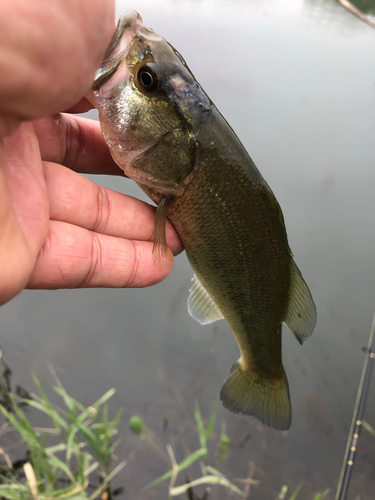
(70, 402)
(212, 421)
(88, 470)
(91, 440)
(296, 491)
(213, 471)
(320, 496)
(368, 427)
(193, 457)
(24, 427)
(56, 448)
(283, 492)
(104, 398)
(56, 418)
(106, 481)
(14, 491)
(179, 490)
(56, 462)
(71, 443)
(200, 426)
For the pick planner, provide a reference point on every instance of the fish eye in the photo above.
(148, 78)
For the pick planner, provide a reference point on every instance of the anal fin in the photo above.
(200, 305)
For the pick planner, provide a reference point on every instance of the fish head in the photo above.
(149, 106)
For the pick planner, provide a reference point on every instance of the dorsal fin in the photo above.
(200, 305)
(301, 314)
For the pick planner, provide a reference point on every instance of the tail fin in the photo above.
(254, 395)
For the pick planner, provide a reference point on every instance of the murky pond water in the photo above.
(295, 79)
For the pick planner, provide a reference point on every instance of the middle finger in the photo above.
(79, 201)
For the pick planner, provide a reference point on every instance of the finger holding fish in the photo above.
(74, 257)
(76, 143)
(76, 200)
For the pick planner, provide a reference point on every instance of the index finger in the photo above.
(76, 143)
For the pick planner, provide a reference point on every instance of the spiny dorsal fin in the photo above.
(301, 315)
(200, 305)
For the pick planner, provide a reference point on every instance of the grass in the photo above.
(65, 458)
(73, 457)
(210, 475)
(294, 496)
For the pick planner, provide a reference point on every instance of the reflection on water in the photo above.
(295, 79)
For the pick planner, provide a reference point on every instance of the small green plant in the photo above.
(284, 491)
(83, 447)
(210, 475)
(368, 427)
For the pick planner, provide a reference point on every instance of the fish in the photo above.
(166, 134)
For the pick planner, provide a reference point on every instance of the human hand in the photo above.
(57, 228)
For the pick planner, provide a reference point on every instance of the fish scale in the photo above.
(238, 290)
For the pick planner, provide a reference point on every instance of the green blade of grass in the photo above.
(368, 427)
(88, 470)
(200, 426)
(193, 457)
(56, 462)
(72, 443)
(14, 491)
(283, 492)
(212, 421)
(179, 490)
(55, 448)
(91, 440)
(71, 493)
(213, 471)
(70, 402)
(104, 398)
(320, 496)
(114, 446)
(23, 426)
(56, 418)
(296, 491)
(106, 481)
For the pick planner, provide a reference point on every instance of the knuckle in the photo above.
(73, 143)
(137, 260)
(92, 277)
(103, 209)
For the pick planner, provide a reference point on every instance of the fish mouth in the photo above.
(127, 29)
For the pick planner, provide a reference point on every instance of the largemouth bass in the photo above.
(166, 134)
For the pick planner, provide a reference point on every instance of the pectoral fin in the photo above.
(200, 305)
(301, 314)
(160, 239)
